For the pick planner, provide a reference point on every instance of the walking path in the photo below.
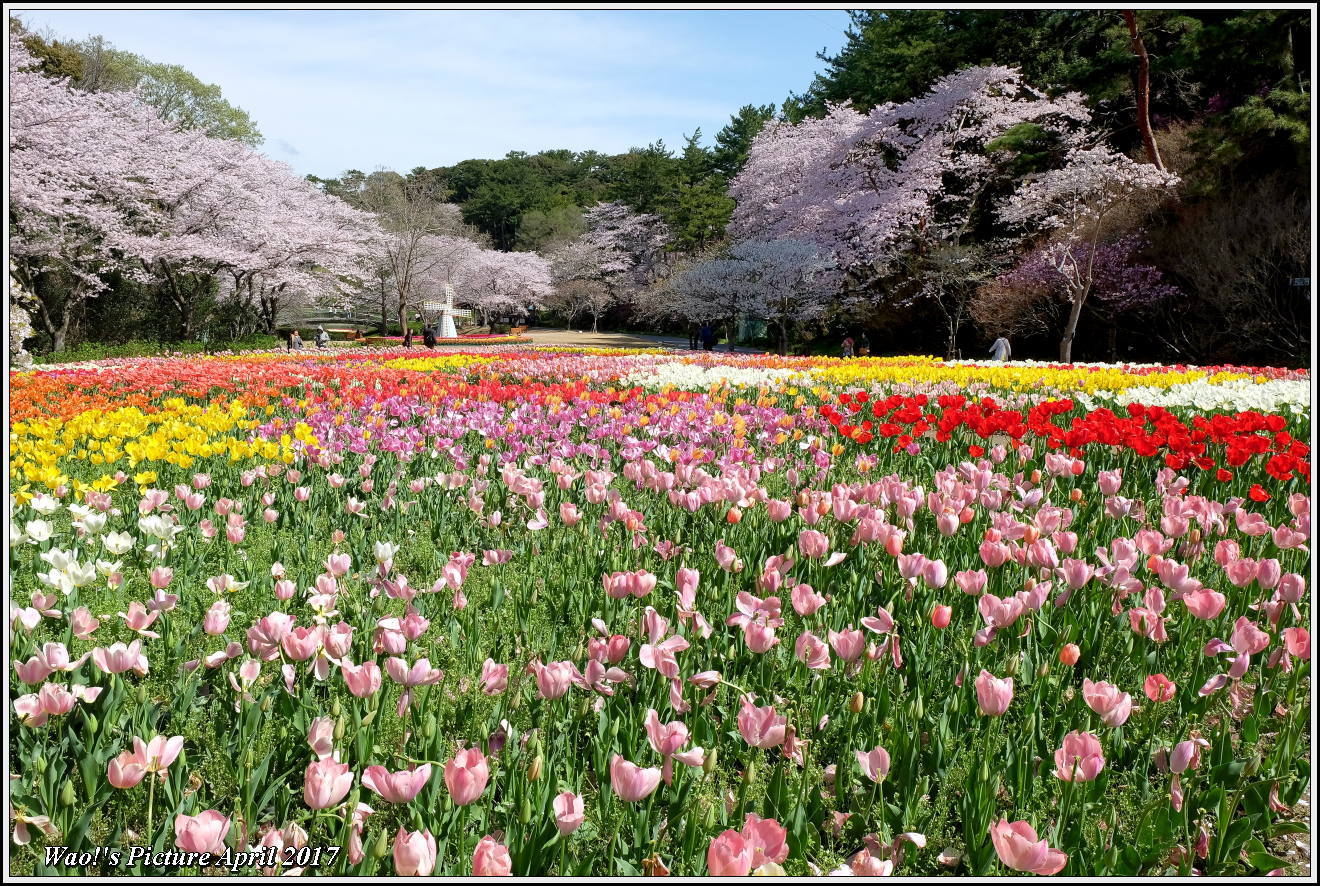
(541, 335)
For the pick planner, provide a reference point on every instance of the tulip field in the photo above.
(564, 612)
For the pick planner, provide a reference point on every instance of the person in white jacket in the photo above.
(1000, 350)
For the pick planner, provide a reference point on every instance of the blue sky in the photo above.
(333, 90)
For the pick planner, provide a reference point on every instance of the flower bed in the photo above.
(551, 611)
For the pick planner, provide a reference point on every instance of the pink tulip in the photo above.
(935, 574)
(466, 776)
(874, 763)
(118, 658)
(204, 832)
(812, 651)
(554, 679)
(1112, 704)
(419, 674)
(321, 737)
(993, 695)
(216, 621)
(84, 624)
(326, 783)
(1159, 688)
(805, 599)
(338, 564)
(813, 544)
(491, 859)
(940, 616)
(848, 644)
(569, 812)
(363, 680)
(729, 855)
(414, 853)
(494, 677)
(1247, 639)
(125, 771)
(1020, 850)
(157, 754)
(970, 581)
(397, 787)
(760, 637)
(767, 838)
(760, 727)
(1080, 758)
(631, 782)
(1204, 603)
(1187, 755)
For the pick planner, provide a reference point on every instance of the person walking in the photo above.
(1001, 350)
(863, 346)
(707, 337)
(692, 336)
(322, 337)
(847, 346)
(295, 341)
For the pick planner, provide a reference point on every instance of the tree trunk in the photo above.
(729, 335)
(595, 322)
(405, 325)
(1070, 330)
(1143, 91)
(58, 332)
(783, 339)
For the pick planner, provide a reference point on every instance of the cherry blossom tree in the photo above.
(1075, 204)
(867, 188)
(494, 282)
(782, 282)
(633, 243)
(584, 273)
(1034, 295)
(20, 325)
(99, 183)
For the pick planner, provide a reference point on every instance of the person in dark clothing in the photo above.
(863, 346)
(707, 337)
(692, 337)
(428, 336)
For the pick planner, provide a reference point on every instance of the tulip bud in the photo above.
(339, 729)
(91, 722)
(1011, 667)
(1043, 670)
(336, 708)
(1069, 654)
(428, 728)
(67, 795)
(371, 715)
(249, 758)
(733, 516)
(1035, 476)
(534, 770)
(525, 811)
(857, 702)
(267, 703)
(708, 764)
(708, 815)
(142, 694)
(381, 847)
(1075, 495)
(749, 772)
(39, 763)
(919, 709)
